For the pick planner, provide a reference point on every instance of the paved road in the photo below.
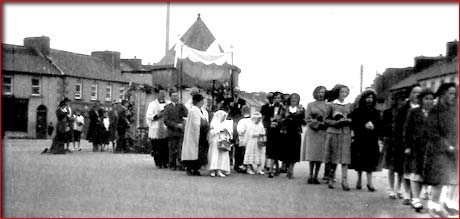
(103, 184)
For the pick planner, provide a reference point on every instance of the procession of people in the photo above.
(415, 140)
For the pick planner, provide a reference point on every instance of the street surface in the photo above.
(104, 184)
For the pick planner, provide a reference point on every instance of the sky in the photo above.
(278, 47)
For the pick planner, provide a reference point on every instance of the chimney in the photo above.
(134, 63)
(111, 58)
(423, 62)
(41, 44)
(452, 49)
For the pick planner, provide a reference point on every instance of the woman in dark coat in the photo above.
(62, 128)
(441, 156)
(415, 139)
(294, 119)
(95, 128)
(366, 125)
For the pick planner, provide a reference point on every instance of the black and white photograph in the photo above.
(230, 110)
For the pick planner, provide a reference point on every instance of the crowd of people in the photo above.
(415, 139)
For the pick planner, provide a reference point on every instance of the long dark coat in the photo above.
(365, 154)
(415, 139)
(60, 138)
(95, 128)
(441, 165)
(399, 155)
(292, 125)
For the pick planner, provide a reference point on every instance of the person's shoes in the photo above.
(250, 172)
(399, 195)
(189, 172)
(435, 213)
(310, 181)
(277, 173)
(330, 184)
(270, 175)
(260, 172)
(44, 151)
(316, 181)
(196, 173)
(213, 174)
(450, 211)
(79, 149)
(391, 194)
(358, 186)
(345, 187)
(417, 205)
(406, 201)
(370, 188)
(290, 175)
(220, 174)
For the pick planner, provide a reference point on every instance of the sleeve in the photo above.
(149, 114)
(241, 127)
(408, 129)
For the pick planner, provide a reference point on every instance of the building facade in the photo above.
(35, 78)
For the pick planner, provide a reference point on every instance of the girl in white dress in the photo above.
(219, 159)
(254, 156)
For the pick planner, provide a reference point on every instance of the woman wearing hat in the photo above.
(338, 137)
(366, 127)
(62, 128)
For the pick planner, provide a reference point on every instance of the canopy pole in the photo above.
(212, 95)
(180, 73)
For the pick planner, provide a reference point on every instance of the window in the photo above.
(94, 92)
(7, 85)
(78, 89)
(35, 87)
(122, 90)
(108, 93)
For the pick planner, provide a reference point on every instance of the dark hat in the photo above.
(66, 99)
(62, 103)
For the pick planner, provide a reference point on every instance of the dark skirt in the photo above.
(365, 155)
(290, 152)
(274, 141)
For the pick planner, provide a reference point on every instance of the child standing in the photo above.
(254, 156)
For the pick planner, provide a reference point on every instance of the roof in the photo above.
(85, 66)
(198, 36)
(442, 68)
(22, 59)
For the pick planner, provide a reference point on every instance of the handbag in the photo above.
(262, 141)
(223, 142)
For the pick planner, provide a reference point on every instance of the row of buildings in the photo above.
(35, 77)
(429, 72)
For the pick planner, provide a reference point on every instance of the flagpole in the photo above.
(167, 27)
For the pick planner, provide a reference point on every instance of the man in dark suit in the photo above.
(174, 114)
(265, 110)
(123, 124)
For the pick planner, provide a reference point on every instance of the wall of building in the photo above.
(52, 91)
(434, 83)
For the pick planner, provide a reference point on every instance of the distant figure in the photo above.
(78, 128)
(50, 129)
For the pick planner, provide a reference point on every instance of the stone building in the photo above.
(36, 77)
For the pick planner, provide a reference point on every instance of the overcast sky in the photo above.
(284, 47)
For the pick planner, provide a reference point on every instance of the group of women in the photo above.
(418, 138)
